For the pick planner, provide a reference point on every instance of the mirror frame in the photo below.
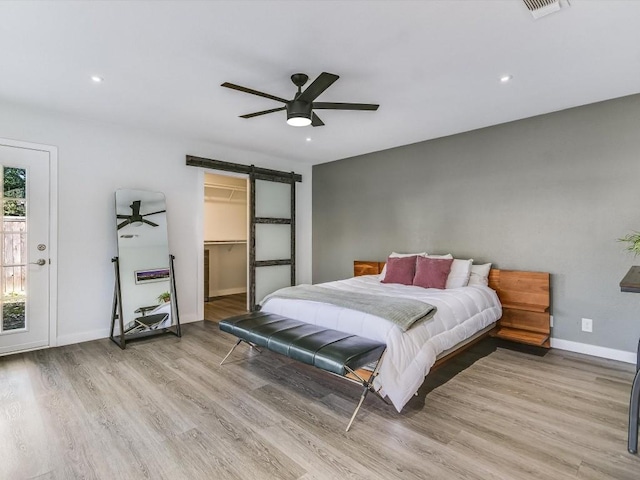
(122, 216)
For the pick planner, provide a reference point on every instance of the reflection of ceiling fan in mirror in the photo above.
(135, 219)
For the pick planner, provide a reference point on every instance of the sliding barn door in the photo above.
(272, 245)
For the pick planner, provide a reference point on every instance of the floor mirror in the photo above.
(145, 301)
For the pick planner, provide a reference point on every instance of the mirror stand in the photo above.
(145, 322)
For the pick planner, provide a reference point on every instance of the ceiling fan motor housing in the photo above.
(298, 108)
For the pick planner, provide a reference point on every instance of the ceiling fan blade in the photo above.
(319, 85)
(123, 216)
(264, 112)
(344, 106)
(253, 92)
(153, 213)
(144, 220)
(315, 121)
(124, 224)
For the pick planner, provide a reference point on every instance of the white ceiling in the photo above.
(433, 66)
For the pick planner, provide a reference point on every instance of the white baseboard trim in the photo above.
(82, 337)
(190, 319)
(228, 291)
(25, 347)
(594, 350)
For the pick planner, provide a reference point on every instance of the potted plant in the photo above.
(164, 297)
(633, 242)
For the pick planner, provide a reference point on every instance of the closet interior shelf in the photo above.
(224, 242)
(231, 189)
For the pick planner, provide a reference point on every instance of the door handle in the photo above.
(40, 261)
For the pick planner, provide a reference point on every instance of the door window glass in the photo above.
(13, 241)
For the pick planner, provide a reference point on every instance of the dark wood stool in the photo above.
(631, 283)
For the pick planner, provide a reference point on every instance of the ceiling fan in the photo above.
(135, 219)
(300, 110)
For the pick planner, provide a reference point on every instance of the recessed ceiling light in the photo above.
(308, 139)
(97, 79)
(506, 78)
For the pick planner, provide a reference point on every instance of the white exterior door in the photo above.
(25, 249)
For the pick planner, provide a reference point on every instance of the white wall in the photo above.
(227, 269)
(225, 221)
(97, 158)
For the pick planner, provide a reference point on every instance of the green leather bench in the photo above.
(336, 352)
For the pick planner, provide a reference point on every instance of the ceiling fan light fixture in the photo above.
(299, 121)
(299, 113)
(137, 223)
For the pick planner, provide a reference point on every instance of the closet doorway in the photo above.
(226, 228)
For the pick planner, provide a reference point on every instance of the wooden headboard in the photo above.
(525, 298)
(367, 268)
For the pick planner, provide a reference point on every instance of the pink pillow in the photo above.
(432, 272)
(400, 270)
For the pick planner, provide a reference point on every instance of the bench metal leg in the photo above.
(238, 343)
(355, 412)
(368, 386)
(354, 377)
(230, 351)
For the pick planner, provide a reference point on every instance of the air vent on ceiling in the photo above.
(540, 8)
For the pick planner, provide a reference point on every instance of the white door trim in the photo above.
(53, 229)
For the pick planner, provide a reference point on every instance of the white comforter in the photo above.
(410, 355)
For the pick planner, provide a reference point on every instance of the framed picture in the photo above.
(152, 275)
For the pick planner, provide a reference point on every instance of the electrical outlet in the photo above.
(551, 321)
(587, 325)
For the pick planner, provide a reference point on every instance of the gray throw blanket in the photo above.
(404, 312)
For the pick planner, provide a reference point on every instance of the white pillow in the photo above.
(459, 274)
(448, 255)
(394, 254)
(480, 274)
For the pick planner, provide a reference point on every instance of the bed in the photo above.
(463, 314)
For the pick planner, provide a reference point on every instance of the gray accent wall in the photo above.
(550, 193)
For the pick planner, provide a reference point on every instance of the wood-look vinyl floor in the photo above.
(165, 409)
(226, 306)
